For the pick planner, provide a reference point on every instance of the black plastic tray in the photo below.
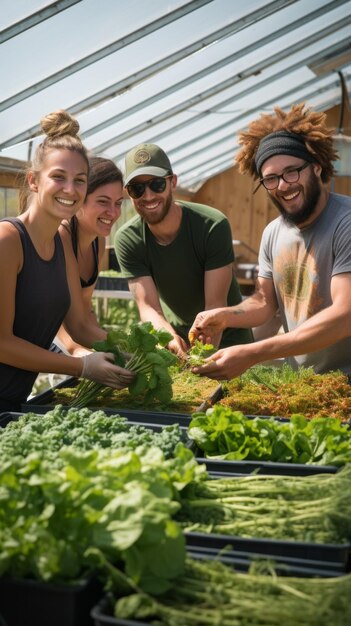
(219, 468)
(284, 566)
(102, 615)
(32, 603)
(329, 556)
(143, 417)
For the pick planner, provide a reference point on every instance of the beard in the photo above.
(158, 217)
(312, 191)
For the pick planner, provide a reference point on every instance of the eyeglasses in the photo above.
(292, 175)
(157, 185)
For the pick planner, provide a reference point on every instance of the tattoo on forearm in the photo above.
(239, 311)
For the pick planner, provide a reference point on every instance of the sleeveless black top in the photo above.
(42, 301)
(95, 246)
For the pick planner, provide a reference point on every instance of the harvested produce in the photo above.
(302, 508)
(141, 351)
(222, 433)
(210, 593)
(282, 392)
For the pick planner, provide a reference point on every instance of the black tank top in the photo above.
(42, 301)
(95, 246)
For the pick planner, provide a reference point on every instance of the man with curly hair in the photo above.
(305, 254)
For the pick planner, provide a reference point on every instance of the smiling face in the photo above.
(61, 184)
(154, 207)
(101, 209)
(300, 202)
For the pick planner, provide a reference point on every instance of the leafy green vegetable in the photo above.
(70, 483)
(198, 352)
(141, 351)
(226, 434)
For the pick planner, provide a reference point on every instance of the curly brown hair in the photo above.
(300, 120)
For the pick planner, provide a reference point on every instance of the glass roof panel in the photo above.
(186, 74)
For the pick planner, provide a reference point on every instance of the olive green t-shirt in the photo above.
(203, 242)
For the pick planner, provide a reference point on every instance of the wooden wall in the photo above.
(248, 214)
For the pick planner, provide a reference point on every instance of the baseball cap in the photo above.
(146, 158)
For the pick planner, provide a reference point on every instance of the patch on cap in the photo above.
(142, 156)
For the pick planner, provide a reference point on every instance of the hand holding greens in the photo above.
(142, 351)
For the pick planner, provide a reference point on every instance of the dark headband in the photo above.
(281, 142)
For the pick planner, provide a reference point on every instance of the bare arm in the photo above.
(146, 297)
(79, 323)
(216, 286)
(254, 311)
(320, 331)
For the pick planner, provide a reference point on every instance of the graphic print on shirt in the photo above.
(298, 282)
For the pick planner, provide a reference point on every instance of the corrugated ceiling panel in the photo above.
(186, 74)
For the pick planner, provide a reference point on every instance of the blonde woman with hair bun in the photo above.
(39, 283)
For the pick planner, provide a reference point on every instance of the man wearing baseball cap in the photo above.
(177, 256)
(305, 254)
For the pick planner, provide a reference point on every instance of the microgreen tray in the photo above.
(7, 417)
(46, 400)
(157, 417)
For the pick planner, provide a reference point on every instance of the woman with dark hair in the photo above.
(38, 285)
(84, 236)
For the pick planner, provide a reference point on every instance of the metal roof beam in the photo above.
(34, 19)
(186, 175)
(259, 67)
(249, 112)
(103, 52)
(253, 70)
(219, 87)
(271, 101)
(121, 86)
(230, 29)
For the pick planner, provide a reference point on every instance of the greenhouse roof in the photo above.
(185, 75)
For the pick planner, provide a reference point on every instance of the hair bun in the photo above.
(59, 123)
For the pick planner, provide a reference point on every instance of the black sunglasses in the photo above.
(157, 185)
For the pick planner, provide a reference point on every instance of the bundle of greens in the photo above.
(222, 433)
(302, 508)
(211, 593)
(142, 351)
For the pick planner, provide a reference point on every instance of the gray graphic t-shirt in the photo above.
(301, 263)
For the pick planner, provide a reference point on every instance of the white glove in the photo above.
(100, 367)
